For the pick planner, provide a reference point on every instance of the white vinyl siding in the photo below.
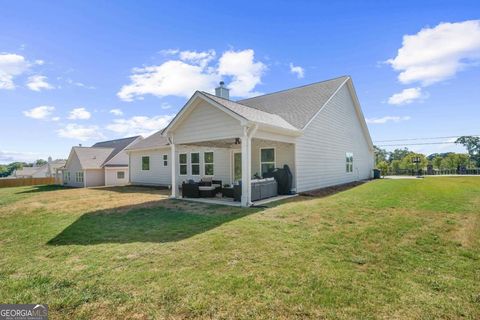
(113, 176)
(206, 122)
(158, 173)
(95, 177)
(320, 151)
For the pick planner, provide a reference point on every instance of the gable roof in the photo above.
(156, 140)
(252, 114)
(297, 105)
(28, 171)
(117, 145)
(91, 157)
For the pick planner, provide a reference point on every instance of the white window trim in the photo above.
(141, 163)
(205, 163)
(124, 175)
(165, 160)
(199, 164)
(77, 177)
(346, 162)
(274, 158)
(182, 164)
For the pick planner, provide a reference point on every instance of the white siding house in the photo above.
(103, 164)
(317, 130)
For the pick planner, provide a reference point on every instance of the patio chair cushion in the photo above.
(207, 188)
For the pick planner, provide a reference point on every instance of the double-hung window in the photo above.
(120, 175)
(208, 162)
(146, 163)
(79, 177)
(66, 176)
(165, 160)
(267, 160)
(182, 160)
(349, 162)
(195, 163)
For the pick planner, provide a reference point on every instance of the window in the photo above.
(349, 162)
(267, 160)
(182, 159)
(145, 163)
(208, 161)
(78, 176)
(66, 176)
(120, 174)
(165, 160)
(195, 163)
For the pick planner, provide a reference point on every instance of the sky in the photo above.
(76, 72)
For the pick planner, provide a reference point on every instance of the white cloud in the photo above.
(38, 82)
(11, 65)
(80, 132)
(406, 96)
(116, 112)
(79, 114)
(386, 119)
(78, 84)
(7, 156)
(436, 54)
(297, 70)
(245, 72)
(41, 112)
(199, 58)
(192, 70)
(139, 125)
(172, 78)
(165, 106)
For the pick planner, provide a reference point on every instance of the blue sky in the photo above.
(64, 66)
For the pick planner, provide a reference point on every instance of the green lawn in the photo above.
(388, 249)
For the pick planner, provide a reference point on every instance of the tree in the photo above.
(407, 162)
(399, 154)
(437, 162)
(395, 165)
(383, 167)
(380, 154)
(473, 146)
(40, 162)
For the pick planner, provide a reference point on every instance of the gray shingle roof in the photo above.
(156, 140)
(296, 105)
(252, 114)
(93, 158)
(117, 145)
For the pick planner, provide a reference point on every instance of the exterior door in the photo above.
(237, 166)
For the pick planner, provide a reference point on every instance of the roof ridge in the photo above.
(243, 105)
(294, 88)
(117, 139)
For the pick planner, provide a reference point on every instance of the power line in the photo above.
(414, 144)
(429, 138)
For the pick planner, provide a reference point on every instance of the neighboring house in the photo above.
(318, 130)
(47, 170)
(103, 164)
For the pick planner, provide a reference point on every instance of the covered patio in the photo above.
(229, 153)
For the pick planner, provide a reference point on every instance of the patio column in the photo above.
(246, 167)
(174, 170)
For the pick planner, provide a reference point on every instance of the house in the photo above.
(47, 170)
(103, 164)
(317, 130)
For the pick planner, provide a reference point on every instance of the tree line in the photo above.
(402, 159)
(8, 169)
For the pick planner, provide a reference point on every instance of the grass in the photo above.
(389, 249)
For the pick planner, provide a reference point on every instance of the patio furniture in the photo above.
(207, 191)
(208, 181)
(261, 189)
(228, 192)
(284, 179)
(190, 190)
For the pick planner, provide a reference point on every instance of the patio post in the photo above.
(246, 167)
(174, 170)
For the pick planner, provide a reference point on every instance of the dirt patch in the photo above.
(325, 192)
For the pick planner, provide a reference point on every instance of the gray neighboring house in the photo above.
(318, 130)
(50, 169)
(103, 164)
